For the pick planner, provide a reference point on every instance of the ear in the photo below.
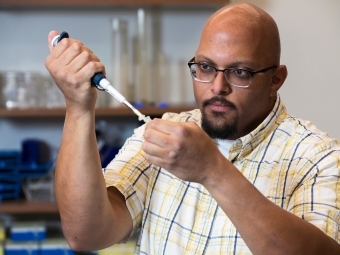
(278, 79)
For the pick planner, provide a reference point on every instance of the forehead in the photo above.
(227, 47)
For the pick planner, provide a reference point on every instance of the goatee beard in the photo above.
(216, 125)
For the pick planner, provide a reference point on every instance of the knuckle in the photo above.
(62, 74)
(173, 155)
(152, 123)
(86, 55)
(178, 147)
(146, 134)
(182, 131)
(75, 80)
(91, 65)
(77, 47)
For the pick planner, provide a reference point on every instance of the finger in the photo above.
(169, 127)
(156, 161)
(161, 161)
(88, 71)
(158, 124)
(157, 137)
(68, 49)
(154, 150)
(80, 60)
(156, 155)
(68, 44)
(50, 37)
(58, 62)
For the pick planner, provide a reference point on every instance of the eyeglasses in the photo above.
(237, 77)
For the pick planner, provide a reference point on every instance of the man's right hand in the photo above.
(71, 66)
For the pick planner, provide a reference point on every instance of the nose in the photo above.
(220, 85)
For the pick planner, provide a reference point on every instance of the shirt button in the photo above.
(206, 215)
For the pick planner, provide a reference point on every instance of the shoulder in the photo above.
(307, 135)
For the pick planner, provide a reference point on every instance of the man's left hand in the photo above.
(183, 149)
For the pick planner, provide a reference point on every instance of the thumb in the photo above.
(51, 35)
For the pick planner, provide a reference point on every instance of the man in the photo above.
(252, 180)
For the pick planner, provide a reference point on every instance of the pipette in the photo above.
(100, 82)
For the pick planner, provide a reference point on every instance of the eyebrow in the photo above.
(247, 64)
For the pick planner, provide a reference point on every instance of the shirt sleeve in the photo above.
(129, 173)
(316, 193)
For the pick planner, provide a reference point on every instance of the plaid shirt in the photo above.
(287, 159)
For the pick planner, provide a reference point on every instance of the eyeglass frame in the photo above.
(252, 73)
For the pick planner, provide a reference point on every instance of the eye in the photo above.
(240, 73)
(205, 68)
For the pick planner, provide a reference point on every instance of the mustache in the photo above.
(219, 100)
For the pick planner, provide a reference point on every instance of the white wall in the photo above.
(310, 48)
(310, 37)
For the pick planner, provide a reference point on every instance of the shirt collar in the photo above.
(244, 145)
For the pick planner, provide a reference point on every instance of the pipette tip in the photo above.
(141, 117)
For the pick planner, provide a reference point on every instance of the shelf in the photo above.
(24, 207)
(100, 112)
(88, 3)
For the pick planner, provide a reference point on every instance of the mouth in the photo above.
(218, 105)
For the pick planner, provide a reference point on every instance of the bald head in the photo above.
(243, 23)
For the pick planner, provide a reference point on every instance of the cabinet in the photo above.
(100, 112)
(31, 122)
(26, 207)
(23, 211)
(14, 212)
(64, 3)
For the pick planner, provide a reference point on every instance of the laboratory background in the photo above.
(145, 46)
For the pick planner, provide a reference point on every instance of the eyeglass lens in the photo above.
(206, 73)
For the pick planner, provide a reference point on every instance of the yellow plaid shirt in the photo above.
(290, 161)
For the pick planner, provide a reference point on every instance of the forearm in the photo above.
(80, 187)
(91, 218)
(265, 227)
